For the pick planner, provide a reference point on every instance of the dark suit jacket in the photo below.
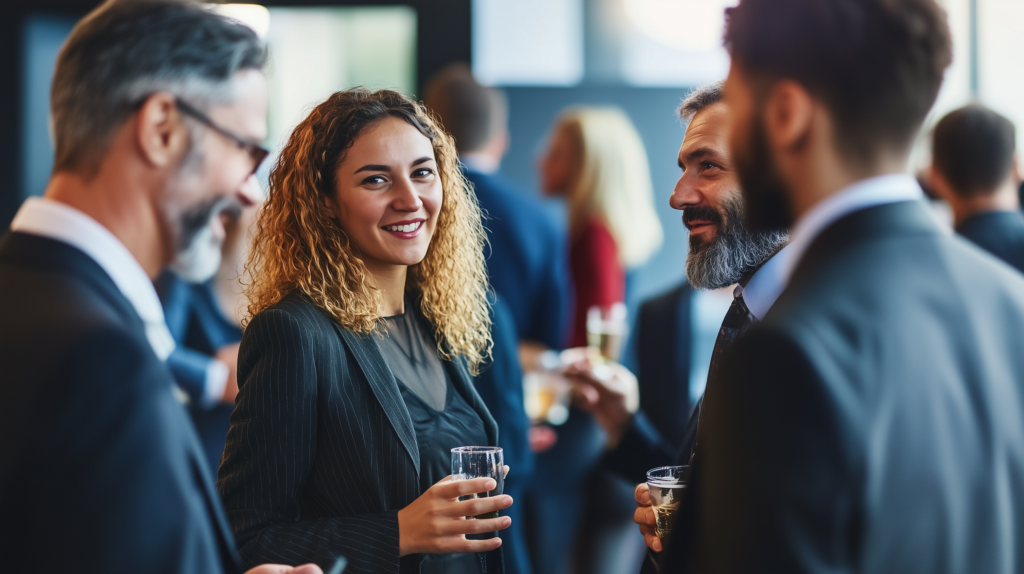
(322, 452)
(200, 330)
(500, 385)
(660, 434)
(1001, 233)
(874, 421)
(528, 259)
(100, 470)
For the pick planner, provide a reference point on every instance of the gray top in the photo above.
(412, 356)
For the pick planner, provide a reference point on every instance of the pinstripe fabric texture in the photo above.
(322, 454)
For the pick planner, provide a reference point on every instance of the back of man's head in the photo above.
(470, 112)
(875, 64)
(126, 50)
(973, 148)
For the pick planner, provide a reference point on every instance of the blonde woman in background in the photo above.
(596, 161)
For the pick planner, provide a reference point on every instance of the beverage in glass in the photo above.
(606, 330)
(667, 485)
(469, 462)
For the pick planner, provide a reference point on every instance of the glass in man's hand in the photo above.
(667, 485)
(469, 462)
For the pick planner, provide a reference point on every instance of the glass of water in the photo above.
(667, 485)
(469, 462)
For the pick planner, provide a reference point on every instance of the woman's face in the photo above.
(389, 195)
(560, 164)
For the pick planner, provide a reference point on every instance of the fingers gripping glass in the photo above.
(256, 152)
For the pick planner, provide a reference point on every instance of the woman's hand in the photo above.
(436, 523)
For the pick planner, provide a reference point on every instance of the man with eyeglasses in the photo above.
(157, 108)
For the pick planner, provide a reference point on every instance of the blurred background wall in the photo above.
(640, 55)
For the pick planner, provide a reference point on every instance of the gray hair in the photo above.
(125, 51)
(700, 98)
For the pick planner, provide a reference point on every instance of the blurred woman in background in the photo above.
(368, 313)
(596, 161)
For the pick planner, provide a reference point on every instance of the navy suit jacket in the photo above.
(100, 470)
(661, 433)
(200, 330)
(528, 259)
(874, 420)
(1001, 233)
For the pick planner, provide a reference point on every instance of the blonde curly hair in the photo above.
(299, 246)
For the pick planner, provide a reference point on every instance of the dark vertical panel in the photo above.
(10, 102)
(443, 36)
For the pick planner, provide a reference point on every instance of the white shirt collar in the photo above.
(61, 222)
(871, 192)
(479, 163)
(765, 285)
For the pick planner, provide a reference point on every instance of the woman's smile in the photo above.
(409, 229)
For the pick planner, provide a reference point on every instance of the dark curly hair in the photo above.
(876, 64)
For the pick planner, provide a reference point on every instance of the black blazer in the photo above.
(100, 469)
(874, 421)
(1001, 233)
(322, 452)
(659, 434)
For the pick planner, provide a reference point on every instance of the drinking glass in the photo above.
(469, 462)
(667, 485)
(606, 329)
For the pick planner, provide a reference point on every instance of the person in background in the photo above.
(156, 108)
(596, 161)
(369, 312)
(975, 170)
(527, 260)
(204, 319)
(873, 421)
(527, 270)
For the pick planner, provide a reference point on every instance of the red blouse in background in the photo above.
(598, 278)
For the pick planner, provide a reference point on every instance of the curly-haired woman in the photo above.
(368, 312)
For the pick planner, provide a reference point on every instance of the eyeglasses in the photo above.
(256, 152)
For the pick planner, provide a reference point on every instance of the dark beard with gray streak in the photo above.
(734, 253)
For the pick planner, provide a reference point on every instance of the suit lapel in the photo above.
(385, 388)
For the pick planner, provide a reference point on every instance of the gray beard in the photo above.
(734, 254)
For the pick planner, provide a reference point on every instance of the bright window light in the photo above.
(674, 42)
(528, 42)
(252, 15)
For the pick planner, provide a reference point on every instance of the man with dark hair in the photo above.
(974, 169)
(157, 106)
(874, 420)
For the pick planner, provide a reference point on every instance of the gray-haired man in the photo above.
(722, 252)
(157, 108)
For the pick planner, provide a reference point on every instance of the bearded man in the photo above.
(723, 252)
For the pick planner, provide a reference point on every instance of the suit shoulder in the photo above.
(294, 321)
(665, 299)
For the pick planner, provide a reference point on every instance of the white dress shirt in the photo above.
(871, 192)
(60, 222)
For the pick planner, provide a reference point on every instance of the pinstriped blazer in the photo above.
(322, 451)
